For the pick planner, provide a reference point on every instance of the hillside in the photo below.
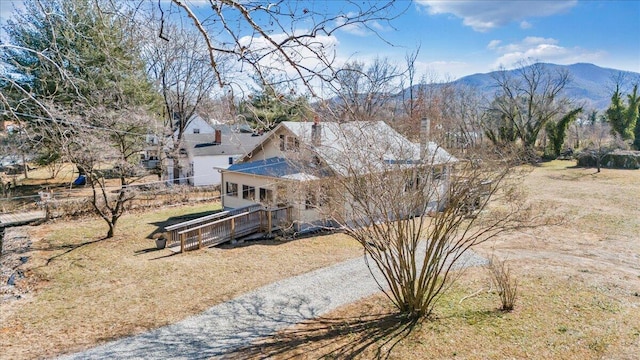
(589, 83)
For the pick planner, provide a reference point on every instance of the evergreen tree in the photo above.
(77, 81)
(268, 107)
(632, 116)
(623, 118)
(557, 131)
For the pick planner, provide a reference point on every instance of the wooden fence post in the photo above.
(182, 240)
(200, 238)
(269, 221)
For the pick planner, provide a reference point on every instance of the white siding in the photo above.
(242, 179)
(200, 124)
(271, 147)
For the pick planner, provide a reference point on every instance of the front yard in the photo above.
(121, 286)
(579, 285)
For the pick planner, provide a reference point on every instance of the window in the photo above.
(232, 189)
(248, 192)
(230, 160)
(289, 143)
(408, 186)
(266, 196)
(282, 195)
(316, 197)
(311, 202)
(436, 173)
(292, 143)
(196, 131)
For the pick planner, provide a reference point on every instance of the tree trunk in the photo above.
(111, 230)
(176, 171)
(25, 166)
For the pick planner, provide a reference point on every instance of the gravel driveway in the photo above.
(257, 314)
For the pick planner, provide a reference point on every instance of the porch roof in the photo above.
(274, 167)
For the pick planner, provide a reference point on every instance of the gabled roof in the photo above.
(233, 142)
(345, 148)
(363, 146)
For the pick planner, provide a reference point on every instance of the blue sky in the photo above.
(458, 38)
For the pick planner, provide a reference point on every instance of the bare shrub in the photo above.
(415, 209)
(504, 282)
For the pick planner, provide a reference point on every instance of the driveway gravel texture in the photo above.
(255, 315)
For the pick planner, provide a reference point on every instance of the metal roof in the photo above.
(366, 146)
(274, 167)
(345, 149)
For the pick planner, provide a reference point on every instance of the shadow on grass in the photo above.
(68, 248)
(166, 256)
(339, 338)
(145, 251)
(273, 239)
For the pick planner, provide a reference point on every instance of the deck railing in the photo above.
(226, 226)
(172, 231)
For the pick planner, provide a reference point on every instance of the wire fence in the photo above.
(70, 204)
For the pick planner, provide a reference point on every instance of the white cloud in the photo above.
(525, 25)
(358, 28)
(493, 44)
(305, 56)
(486, 15)
(540, 49)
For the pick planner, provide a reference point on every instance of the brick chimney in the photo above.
(316, 132)
(218, 137)
(425, 128)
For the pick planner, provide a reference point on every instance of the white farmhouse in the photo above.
(289, 165)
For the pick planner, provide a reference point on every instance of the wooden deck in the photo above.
(17, 219)
(226, 226)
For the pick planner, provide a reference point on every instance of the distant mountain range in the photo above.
(591, 84)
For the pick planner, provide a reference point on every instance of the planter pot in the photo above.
(161, 243)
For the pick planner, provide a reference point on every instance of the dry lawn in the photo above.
(579, 289)
(579, 286)
(117, 287)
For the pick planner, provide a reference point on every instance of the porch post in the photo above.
(232, 234)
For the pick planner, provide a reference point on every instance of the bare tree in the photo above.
(366, 92)
(414, 208)
(76, 77)
(527, 99)
(599, 143)
(408, 83)
(178, 63)
(109, 159)
(459, 112)
(286, 40)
